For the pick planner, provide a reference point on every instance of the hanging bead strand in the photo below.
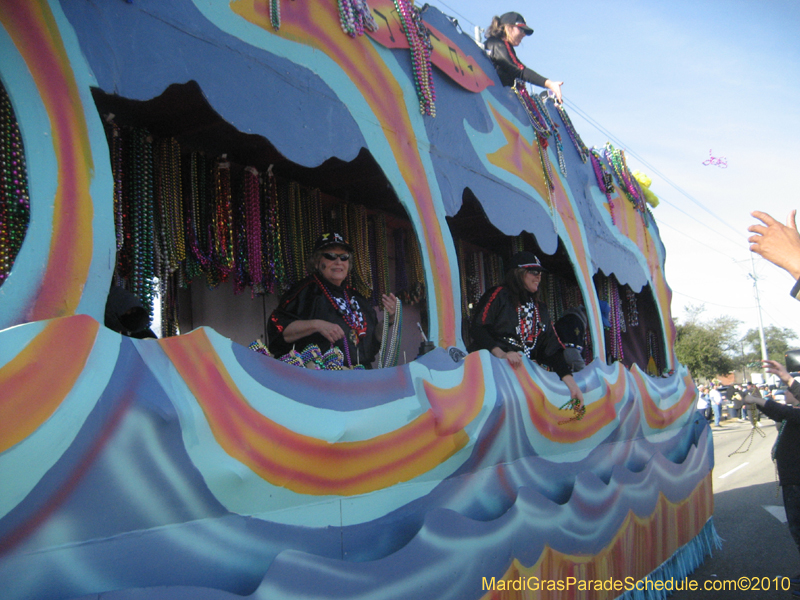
(356, 17)
(419, 42)
(14, 197)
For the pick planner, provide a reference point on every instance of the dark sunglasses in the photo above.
(534, 271)
(344, 256)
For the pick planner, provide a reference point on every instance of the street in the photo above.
(748, 515)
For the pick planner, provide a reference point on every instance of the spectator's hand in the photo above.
(555, 87)
(750, 399)
(389, 304)
(330, 331)
(779, 244)
(776, 368)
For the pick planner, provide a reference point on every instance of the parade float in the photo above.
(190, 152)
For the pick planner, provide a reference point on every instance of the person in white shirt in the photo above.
(716, 404)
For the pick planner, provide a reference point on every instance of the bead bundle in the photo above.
(577, 407)
(628, 183)
(479, 270)
(15, 206)
(355, 17)
(258, 346)
(543, 125)
(605, 181)
(275, 14)
(390, 342)
(632, 307)
(609, 291)
(419, 41)
(140, 249)
(654, 350)
(583, 151)
(182, 216)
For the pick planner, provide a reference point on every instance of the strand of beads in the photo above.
(14, 196)
(223, 220)
(275, 14)
(578, 409)
(358, 235)
(241, 266)
(616, 158)
(400, 271)
(275, 257)
(540, 105)
(198, 260)
(296, 230)
(419, 42)
(616, 330)
(462, 269)
(356, 16)
(583, 151)
(380, 257)
(285, 213)
(633, 307)
(115, 147)
(143, 263)
(653, 349)
(538, 122)
(416, 275)
(605, 181)
(253, 229)
(390, 342)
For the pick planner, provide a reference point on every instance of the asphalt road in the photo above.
(749, 517)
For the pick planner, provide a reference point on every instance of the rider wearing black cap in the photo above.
(504, 34)
(323, 310)
(511, 323)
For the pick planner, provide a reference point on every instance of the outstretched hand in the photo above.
(389, 303)
(779, 244)
(555, 87)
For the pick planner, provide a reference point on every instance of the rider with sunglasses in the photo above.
(510, 322)
(323, 310)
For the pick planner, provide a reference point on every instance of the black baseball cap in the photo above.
(513, 18)
(526, 260)
(331, 239)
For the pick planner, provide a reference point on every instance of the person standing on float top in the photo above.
(504, 34)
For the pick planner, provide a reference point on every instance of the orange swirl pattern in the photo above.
(319, 28)
(551, 422)
(640, 543)
(37, 380)
(657, 418)
(33, 29)
(311, 466)
(518, 156)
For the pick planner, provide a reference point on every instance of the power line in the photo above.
(662, 223)
(712, 303)
(655, 170)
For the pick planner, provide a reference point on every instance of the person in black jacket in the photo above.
(510, 322)
(323, 310)
(504, 34)
(787, 447)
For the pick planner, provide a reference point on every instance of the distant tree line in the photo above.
(712, 347)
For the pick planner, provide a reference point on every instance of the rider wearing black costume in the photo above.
(504, 34)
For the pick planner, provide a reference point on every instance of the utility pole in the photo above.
(760, 320)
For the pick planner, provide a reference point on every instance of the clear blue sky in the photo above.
(667, 82)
